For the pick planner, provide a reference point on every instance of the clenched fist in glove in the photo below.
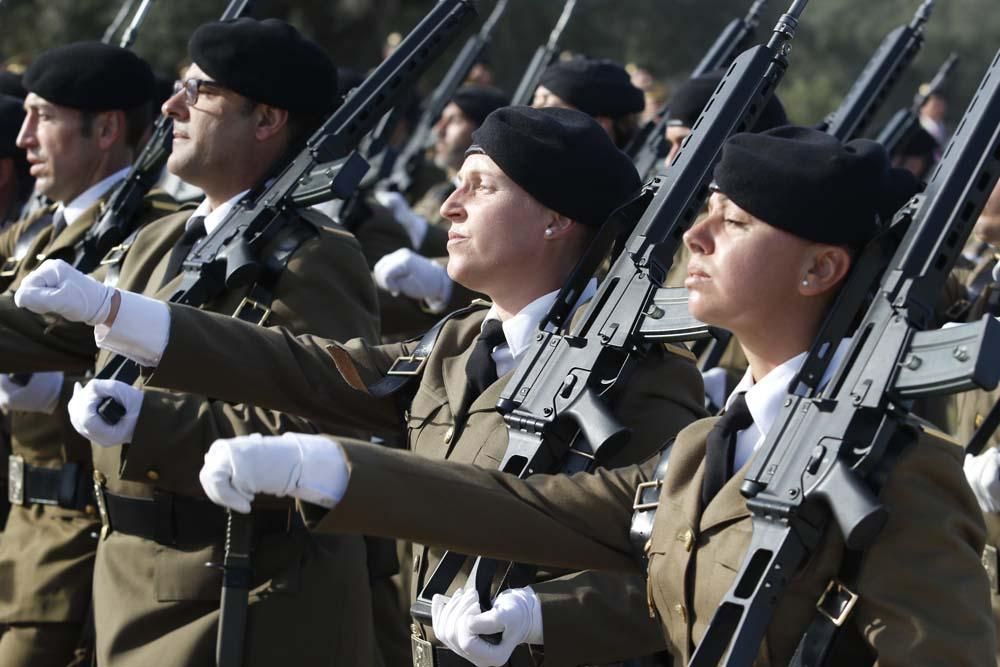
(415, 276)
(308, 467)
(88, 423)
(56, 287)
(459, 624)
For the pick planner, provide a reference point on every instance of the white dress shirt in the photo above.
(765, 397)
(519, 330)
(72, 211)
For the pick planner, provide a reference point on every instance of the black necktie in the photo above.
(481, 370)
(721, 447)
(195, 230)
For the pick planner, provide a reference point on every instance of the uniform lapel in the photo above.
(455, 380)
(729, 504)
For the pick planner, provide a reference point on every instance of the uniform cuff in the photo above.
(140, 330)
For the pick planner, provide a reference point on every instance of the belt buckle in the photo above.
(9, 268)
(835, 589)
(15, 479)
(637, 504)
(247, 302)
(423, 652)
(115, 254)
(407, 366)
(102, 506)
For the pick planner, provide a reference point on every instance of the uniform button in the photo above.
(448, 435)
(152, 474)
(687, 537)
(682, 612)
(90, 510)
(979, 420)
(100, 478)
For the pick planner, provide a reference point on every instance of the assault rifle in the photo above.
(544, 55)
(554, 404)
(118, 219)
(905, 121)
(823, 457)
(649, 147)
(230, 256)
(412, 155)
(881, 73)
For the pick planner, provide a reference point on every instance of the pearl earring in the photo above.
(548, 231)
(805, 283)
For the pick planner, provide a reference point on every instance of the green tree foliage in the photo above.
(666, 36)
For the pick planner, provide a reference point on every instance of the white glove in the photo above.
(715, 386)
(414, 224)
(83, 411)
(56, 287)
(40, 394)
(458, 623)
(415, 276)
(983, 473)
(308, 467)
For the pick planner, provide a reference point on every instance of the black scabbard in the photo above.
(237, 574)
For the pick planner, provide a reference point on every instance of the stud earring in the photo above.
(548, 231)
(805, 283)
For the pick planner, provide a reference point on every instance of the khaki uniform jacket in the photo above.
(159, 605)
(663, 394)
(923, 593)
(47, 552)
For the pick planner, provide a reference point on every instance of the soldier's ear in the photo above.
(825, 268)
(270, 121)
(108, 128)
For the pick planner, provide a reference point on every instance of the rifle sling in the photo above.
(404, 369)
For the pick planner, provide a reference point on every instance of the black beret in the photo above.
(478, 102)
(91, 76)
(597, 87)
(561, 157)
(267, 61)
(11, 84)
(690, 100)
(808, 183)
(11, 117)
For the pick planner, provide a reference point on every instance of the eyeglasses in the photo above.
(192, 87)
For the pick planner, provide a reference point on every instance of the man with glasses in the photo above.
(255, 91)
(87, 107)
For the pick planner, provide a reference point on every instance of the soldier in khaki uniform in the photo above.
(415, 289)
(80, 136)
(514, 237)
(969, 409)
(254, 93)
(923, 597)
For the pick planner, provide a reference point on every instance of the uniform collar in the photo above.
(765, 397)
(72, 211)
(212, 218)
(519, 330)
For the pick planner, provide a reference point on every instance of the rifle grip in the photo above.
(111, 411)
(602, 430)
(854, 506)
